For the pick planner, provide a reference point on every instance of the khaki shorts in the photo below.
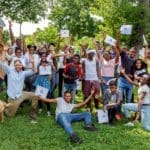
(11, 111)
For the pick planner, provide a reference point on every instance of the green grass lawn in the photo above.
(18, 133)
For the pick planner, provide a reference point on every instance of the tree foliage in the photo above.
(75, 16)
(117, 13)
(6, 36)
(49, 34)
(23, 10)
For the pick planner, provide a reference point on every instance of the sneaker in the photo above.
(75, 138)
(32, 114)
(33, 121)
(40, 111)
(118, 117)
(88, 109)
(136, 121)
(112, 125)
(48, 113)
(90, 127)
(129, 124)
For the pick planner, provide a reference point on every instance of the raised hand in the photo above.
(92, 90)
(122, 70)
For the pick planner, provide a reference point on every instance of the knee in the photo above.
(61, 117)
(87, 114)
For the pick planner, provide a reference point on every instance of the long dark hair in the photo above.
(143, 66)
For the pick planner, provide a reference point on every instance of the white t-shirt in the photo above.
(90, 70)
(146, 90)
(49, 58)
(36, 61)
(61, 60)
(45, 70)
(22, 59)
(63, 106)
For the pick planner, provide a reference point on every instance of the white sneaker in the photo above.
(129, 124)
(136, 121)
(40, 110)
(33, 121)
(48, 113)
(88, 109)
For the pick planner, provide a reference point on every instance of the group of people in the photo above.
(106, 74)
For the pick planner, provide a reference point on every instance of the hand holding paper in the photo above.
(64, 33)
(126, 29)
(111, 41)
(41, 91)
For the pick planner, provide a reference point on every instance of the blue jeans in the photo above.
(70, 87)
(105, 86)
(128, 107)
(65, 120)
(126, 89)
(145, 117)
(54, 80)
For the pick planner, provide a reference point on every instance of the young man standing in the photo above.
(72, 72)
(127, 61)
(91, 74)
(65, 117)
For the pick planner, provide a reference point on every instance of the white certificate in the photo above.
(102, 116)
(126, 29)
(111, 41)
(47, 70)
(41, 91)
(64, 33)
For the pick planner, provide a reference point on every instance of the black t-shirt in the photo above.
(72, 72)
(127, 63)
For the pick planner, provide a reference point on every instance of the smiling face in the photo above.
(132, 53)
(43, 57)
(18, 53)
(106, 55)
(68, 97)
(138, 64)
(18, 65)
(113, 88)
(76, 59)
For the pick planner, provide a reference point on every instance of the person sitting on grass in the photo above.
(65, 117)
(112, 102)
(16, 95)
(142, 108)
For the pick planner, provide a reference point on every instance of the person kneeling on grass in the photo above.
(65, 117)
(112, 102)
(16, 95)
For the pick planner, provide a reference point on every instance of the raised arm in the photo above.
(86, 101)
(4, 66)
(11, 33)
(128, 78)
(53, 100)
(98, 70)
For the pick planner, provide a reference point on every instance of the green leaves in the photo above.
(74, 15)
(24, 10)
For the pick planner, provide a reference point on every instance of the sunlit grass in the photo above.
(18, 133)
